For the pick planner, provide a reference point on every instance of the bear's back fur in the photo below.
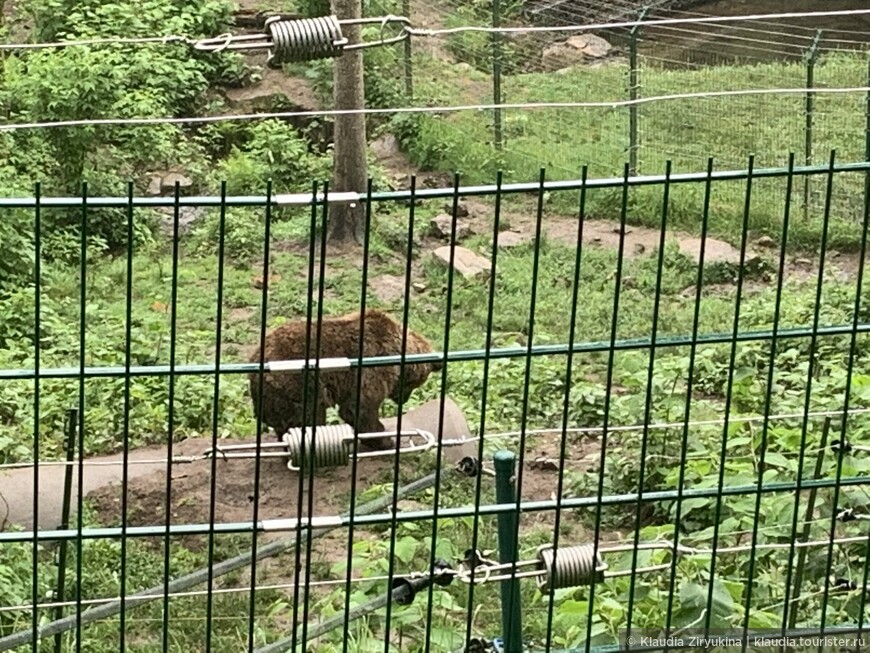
(285, 402)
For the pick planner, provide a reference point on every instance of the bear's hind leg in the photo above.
(368, 422)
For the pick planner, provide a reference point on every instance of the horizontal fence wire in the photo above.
(651, 398)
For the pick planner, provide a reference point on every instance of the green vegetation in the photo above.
(241, 157)
(684, 131)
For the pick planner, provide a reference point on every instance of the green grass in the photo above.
(505, 411)
(686, 132)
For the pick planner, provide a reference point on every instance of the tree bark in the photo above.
(346, 221)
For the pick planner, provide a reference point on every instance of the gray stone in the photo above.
(465, 262)
(508, 239)
(187, 217)
(155, 185)
(385, 147)
(442, 225)
(167, 183)
(578, 49)
(715, 251)
(163, 183)
(461, 209)
(389, 288)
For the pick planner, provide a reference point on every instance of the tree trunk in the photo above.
(349, 169)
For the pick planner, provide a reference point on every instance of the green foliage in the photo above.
(543, 393)
(16, 579)
(271, 150)
(17, 236)
(477, 48)
(108, 81)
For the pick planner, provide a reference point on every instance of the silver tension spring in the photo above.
(304, 39)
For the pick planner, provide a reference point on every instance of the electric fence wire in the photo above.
(171, 39)
(275, 450)
(603, 104)
(429, 32)
(463, 574)
(574, 15)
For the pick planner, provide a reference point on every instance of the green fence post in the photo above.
(808, 518)
(633, 87)
(60, 596)
(496, 75)
(511, 613)
(811, 56)
(409, 71)
(867, 125)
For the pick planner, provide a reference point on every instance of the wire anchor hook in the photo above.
(328, 446)
(305, 39)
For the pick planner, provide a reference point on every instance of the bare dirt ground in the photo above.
(279, 491)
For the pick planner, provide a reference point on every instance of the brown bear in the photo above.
(283, 394)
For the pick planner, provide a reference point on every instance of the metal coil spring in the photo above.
(575, 566)
(329, 446)
(304, 39)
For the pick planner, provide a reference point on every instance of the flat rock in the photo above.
(163, 182)
(508, 239)
(388, 287)
(385, 147)
(716, 251)
(274, 89)
(578, 49)
(465, 262)
(461, 209)
(442, 226)
(187, 217)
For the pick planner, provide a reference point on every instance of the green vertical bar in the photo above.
(264, 301)
(484, 398)
(170, 417)
(566, 405)
(436, 494)
(811, 370)
(357, 403)
(605, 432)
(805, 537)
(83, 280)
(37, 283)
(125, 473)
(306, 455)
(324, 230)
(496, 74)
(729, 389)
(811, 56)
(64, 522)
(651, 368)
(209, 606)
(633, 138)
(859, 283)
(829, 189)
(530, 336)
(511, 613)
(400, 408)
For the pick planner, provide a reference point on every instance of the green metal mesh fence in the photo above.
(622, 429)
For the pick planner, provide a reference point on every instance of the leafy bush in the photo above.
(272, 150)
(16, 234)
(476, 48)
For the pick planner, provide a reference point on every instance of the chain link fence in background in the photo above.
(625, 70)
